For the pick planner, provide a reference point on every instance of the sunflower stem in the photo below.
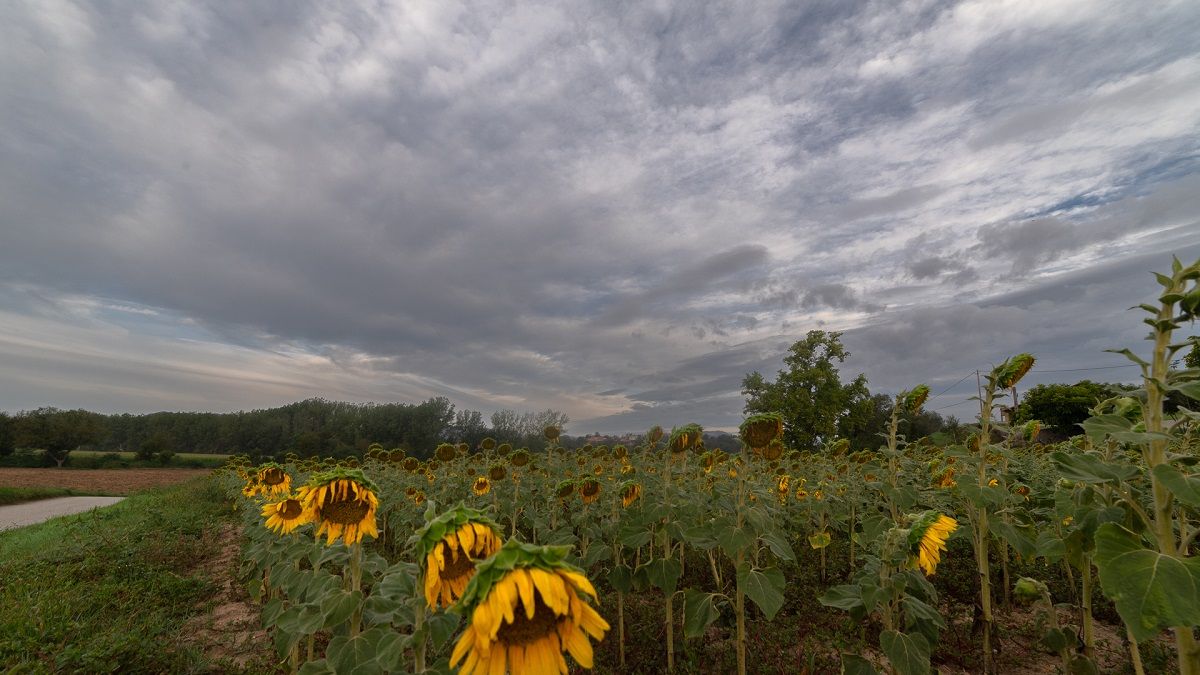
(419, 631)
(621, 626)
(667, 548)
(356, 585)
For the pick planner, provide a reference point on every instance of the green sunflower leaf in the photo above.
(1151, 590)
(909, 654)
(765, 587)
(700, 610)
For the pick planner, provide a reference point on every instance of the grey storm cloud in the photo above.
(221, 205)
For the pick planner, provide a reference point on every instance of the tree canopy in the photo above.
(816, 405)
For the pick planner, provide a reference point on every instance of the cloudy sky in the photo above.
(614, 209)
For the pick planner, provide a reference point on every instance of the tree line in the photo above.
(314, 427)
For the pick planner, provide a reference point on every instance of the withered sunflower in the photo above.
(927, 539)
(449, 546)
(526, 608)
(343, 503)
(481, 486)
(564, 489)
(285, 515)
(630, 493)
(589, 490)
(274, 480)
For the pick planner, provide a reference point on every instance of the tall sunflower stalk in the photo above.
(1003, 377)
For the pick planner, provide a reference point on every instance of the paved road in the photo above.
(31, 513)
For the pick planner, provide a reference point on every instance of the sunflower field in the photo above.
(670, 557)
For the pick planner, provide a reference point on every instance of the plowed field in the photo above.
(99, 481)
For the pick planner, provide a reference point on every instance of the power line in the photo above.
(951, 386)
(951, 405)
(1075, 370)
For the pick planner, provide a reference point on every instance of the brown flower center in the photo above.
(345, 512)
(291, 509)
(522, 630)
(273, 477)
(457, 567)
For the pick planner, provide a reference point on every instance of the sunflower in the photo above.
(343, 503)
(520, 457)
(685, 437)
(527, 607)
(784, 484)
(564, 489)
(481, 486)
(630, 493)
(927, 539)
(285, 515)
(274, 480)
(252, 488)
(446, 452)
(450, 545)
(589, 490)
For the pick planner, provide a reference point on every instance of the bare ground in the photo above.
(231, 634)
(104, 481)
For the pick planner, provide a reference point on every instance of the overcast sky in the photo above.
(613, 209)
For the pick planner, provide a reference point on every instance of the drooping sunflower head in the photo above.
(520, 458)
(1009, 373)
(526, 607)
(343, 502)
(620, 451)
(631, 491)
(446, 452)
(685, 437)
(589, 490)
(497, 472)
(757, 431)
(449, 546)
(551, 432)
(784, 484)
(927, 539)
(654, 435)
(285, 515)
(411, 464)
(912, 400)
(488, 444)
(481, 486)
(564, 489)
(274, 480)
(503, 449)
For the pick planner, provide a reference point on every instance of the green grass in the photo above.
(109, 590)
(206, 460)
(17, 495)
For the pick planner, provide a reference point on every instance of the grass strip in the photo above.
(109, 590)
(18, 495)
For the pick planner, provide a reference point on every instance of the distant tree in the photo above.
(58, 432)
(155, 446)
(1063, 406)
(7, 435)
(1192, 360)
(814, 402)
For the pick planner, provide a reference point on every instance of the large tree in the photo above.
(815, 404)
(58, 432)
(1063, 406)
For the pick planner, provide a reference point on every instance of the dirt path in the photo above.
(31, 513)
(231, 635)
(102, 481)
